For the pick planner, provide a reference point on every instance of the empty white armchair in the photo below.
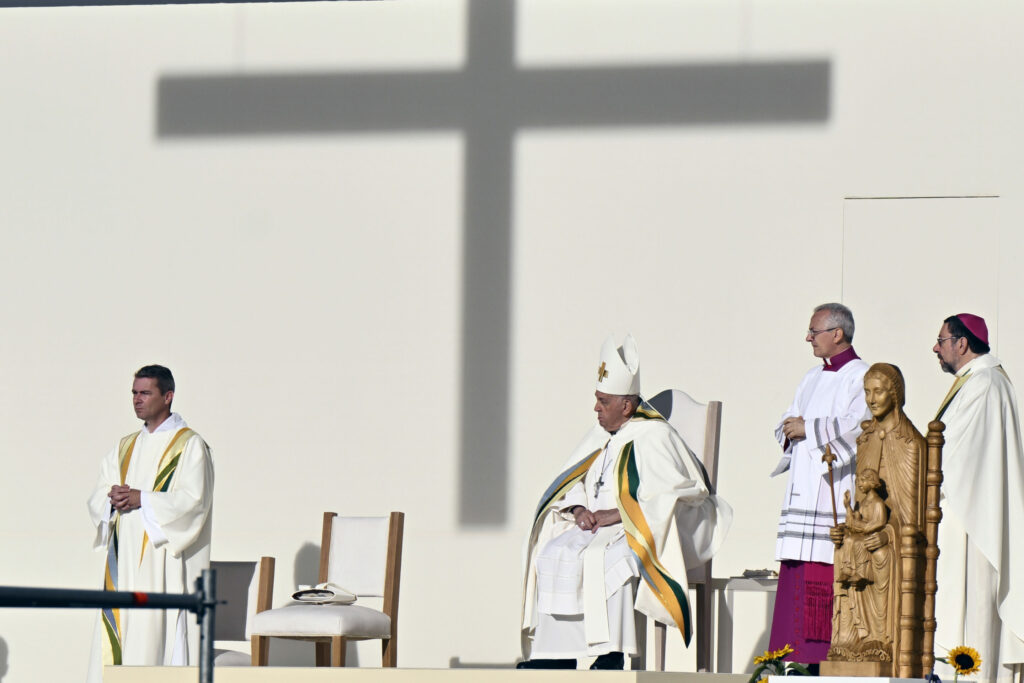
(363, 555)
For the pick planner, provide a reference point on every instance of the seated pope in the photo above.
(616, 530)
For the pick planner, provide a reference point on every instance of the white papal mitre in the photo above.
(618, 371)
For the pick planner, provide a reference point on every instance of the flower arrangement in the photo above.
(771, 664)
(963, 659)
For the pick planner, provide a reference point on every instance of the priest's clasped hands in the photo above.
(793, 428)
(124, 498)
(586, 519)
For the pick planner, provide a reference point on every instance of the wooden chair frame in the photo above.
(265, 591)
(330, 650)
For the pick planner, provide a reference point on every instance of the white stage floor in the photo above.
(278, 674)
(156, 674)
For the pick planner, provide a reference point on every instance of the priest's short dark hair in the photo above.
(164, 378)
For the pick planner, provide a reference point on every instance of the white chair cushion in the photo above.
(231, 658)
(303, 621)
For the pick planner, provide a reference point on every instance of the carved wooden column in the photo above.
(908, 658)
(933, 515)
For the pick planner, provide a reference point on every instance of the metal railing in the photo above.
(202, 602)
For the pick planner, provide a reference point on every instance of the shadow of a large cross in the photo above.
(489, 100)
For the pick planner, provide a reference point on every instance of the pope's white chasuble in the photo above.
(669, 520)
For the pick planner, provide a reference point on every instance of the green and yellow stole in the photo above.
(641, 541)
(165, 474)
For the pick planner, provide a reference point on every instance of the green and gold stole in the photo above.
(640, 539)
(165, 474)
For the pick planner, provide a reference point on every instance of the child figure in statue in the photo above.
(852, 558)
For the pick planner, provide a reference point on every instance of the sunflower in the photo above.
(779, 654)
(963, 659)
(773, 655)
(771, 664)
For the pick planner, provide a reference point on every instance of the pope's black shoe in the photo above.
(610, 660)
(547, 664)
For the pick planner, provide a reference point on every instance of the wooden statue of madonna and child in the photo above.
(883, 610)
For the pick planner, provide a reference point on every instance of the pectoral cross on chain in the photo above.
(604, 463)
(601, 373)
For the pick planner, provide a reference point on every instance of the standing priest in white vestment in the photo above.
(827, 411)
(631, 502)
(151, 509)
(980, 600)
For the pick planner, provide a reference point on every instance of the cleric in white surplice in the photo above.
(826, 411)
(631, 502)
(980, 600)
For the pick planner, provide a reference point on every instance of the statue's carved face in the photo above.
(868, 481)
(878, 396)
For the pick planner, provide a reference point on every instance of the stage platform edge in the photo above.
(849, 679)
(295, 674)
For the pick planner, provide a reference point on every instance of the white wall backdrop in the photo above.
(380, 244)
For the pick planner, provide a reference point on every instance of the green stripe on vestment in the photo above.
(564, 481)
(641, 541)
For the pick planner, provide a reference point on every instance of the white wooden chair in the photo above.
(363, 555)
(243, 590)
(700, 425)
